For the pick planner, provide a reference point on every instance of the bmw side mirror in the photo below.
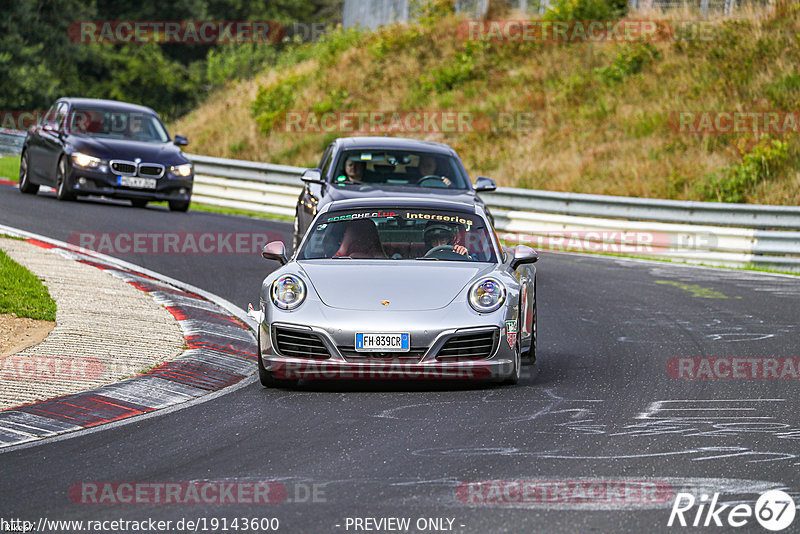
(485, 184)
(522, 254)
(275, 250)
(312, 176)
(180, 140)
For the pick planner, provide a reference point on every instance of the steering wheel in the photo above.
(446, 252)
(432, 177)
(441, 248)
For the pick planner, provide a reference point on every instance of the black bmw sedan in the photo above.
(85, 146)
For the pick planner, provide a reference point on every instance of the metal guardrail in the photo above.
(247, 170)
(11, 141)
(697, 232)
(644, 209)
(248, 185)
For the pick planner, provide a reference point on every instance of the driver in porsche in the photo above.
(439, 235)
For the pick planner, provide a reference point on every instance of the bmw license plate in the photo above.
(134, 181)
(383, 342)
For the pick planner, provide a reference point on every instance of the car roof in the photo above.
(401, 202)
(107, 104)
(393, 143)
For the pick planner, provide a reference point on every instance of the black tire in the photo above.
(268, 379)
(179, 205)
(139, 203)
(514, 378)
(25, 185)
(529, 356)
(518, 358)
(297, 237)
(63, 181)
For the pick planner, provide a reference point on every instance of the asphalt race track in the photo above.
(600, 411)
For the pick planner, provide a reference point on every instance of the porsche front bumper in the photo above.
(476, 352)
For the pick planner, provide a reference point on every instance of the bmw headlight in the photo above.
(487, 295)
(85, 160)
(181, 170)
(288, 292)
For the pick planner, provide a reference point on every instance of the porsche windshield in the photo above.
(117, 124)
(399, 168)
(400, 234)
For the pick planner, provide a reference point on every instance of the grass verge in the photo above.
(9, 168)
(22, 294)
(244, 213)
(232, 211)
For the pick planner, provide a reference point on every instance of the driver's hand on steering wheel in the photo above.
(461, 249)
(446, 181)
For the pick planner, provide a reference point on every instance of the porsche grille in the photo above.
(468, 346)
(299, 344)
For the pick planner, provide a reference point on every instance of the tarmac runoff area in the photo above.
(106, 330)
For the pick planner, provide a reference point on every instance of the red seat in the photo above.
(361, 240)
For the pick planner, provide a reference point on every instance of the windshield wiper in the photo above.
(341, 258)
(430, 259)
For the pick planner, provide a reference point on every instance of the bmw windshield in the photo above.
(117, 124)
(400, 234)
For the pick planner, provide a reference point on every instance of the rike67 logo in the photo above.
(774, 510)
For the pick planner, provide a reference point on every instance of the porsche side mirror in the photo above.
(312, 176)
(522, 254)
(485, 184)
(180, 140)
(275, 250)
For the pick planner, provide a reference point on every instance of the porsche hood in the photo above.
(386, 286)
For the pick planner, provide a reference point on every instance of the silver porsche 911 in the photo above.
(397, 288)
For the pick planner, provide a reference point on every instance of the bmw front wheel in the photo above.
(63, 179)
(25, 185)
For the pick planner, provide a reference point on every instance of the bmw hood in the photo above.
(406, 285)
(165, 153)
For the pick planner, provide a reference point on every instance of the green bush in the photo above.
(586, 10)
(731, 184)
(238, 61)
(336, 100)
(465, 66)
(394, 39)
(428, 13)
(331, 45)
(630, 60)
(784, 93)
(273, 101)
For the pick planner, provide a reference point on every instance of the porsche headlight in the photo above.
(181, 170)
(487, 295)
(85, 160)
(288, 292)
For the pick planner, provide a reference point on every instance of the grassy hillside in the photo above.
(602, 110)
